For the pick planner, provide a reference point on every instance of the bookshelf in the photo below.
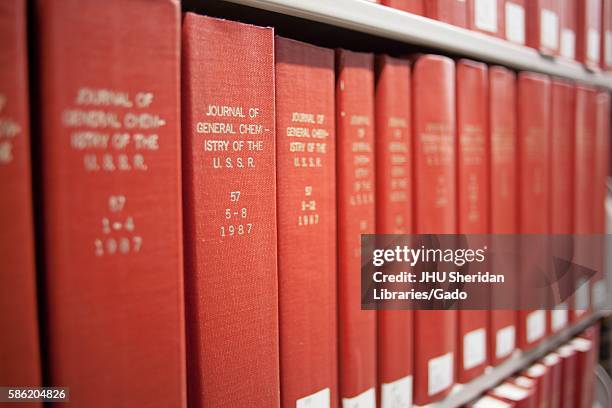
(464, 393)
(167, 73)
(373, 19)
(356, 20)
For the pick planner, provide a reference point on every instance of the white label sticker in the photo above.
(439, 373)
(366, 399)
(490, 402)
(568, 43)
(599, 293)
(320, 399)
(581, 296)
(536, 371)
(536, 325)
(566, 351)
(485, 15)
(549, 29)
(474, 348)
(593, 43)
(397, 394)
(505, 340)
(558, 318)
(551, 359)
(515, 23)
(524, 382)
(581, 344)
(511, 392)
(608, 48)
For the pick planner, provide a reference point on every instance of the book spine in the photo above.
(533, 149)
(486, 16)
(110, 178)
(393, 216)
(411, 6)
(593, 334)
(561, 177)
(543, 26)
(588, 32)
(503, 148)
(356, 216)
(515, 21)
(19, 347)
(541, 376)
(472, 202)
(306, 205)
(561, 157)
(229, 179)
(584, 174)
(552, 362)
(448, 11)
(585, 372)
(602, 159)
(568, 375)
(567, 31)
(503, 193)
(434, 212)
(599, 287)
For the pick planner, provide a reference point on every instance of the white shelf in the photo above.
(381, 21)
(462, 394)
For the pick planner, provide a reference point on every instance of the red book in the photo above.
(529, 385)
(568, 375)
(411, 6)
(433, 133)
(515, 22)
(553, 363)
(584, 175)
(606, 32)
(306, 201)
(534, 97)
(472, 202)
(540, 375)
(563, 107)
(543, 25)
(567, 31)
(110, 150)
(486, 16)
(393, 209)
(19, 348)
(585, 372)
(592, 333)
(356, 216)
(230, 213)
(448, 11)
(599, 289)
(503, 195)
(588, 32)
(511, 393)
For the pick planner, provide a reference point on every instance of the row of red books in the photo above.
(578, 30)
(563, 378)
(200, 188)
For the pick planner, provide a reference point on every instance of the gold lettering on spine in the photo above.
(472, 145)
(437, 146)
(398, 150)
(363, 189)
(308, 147)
